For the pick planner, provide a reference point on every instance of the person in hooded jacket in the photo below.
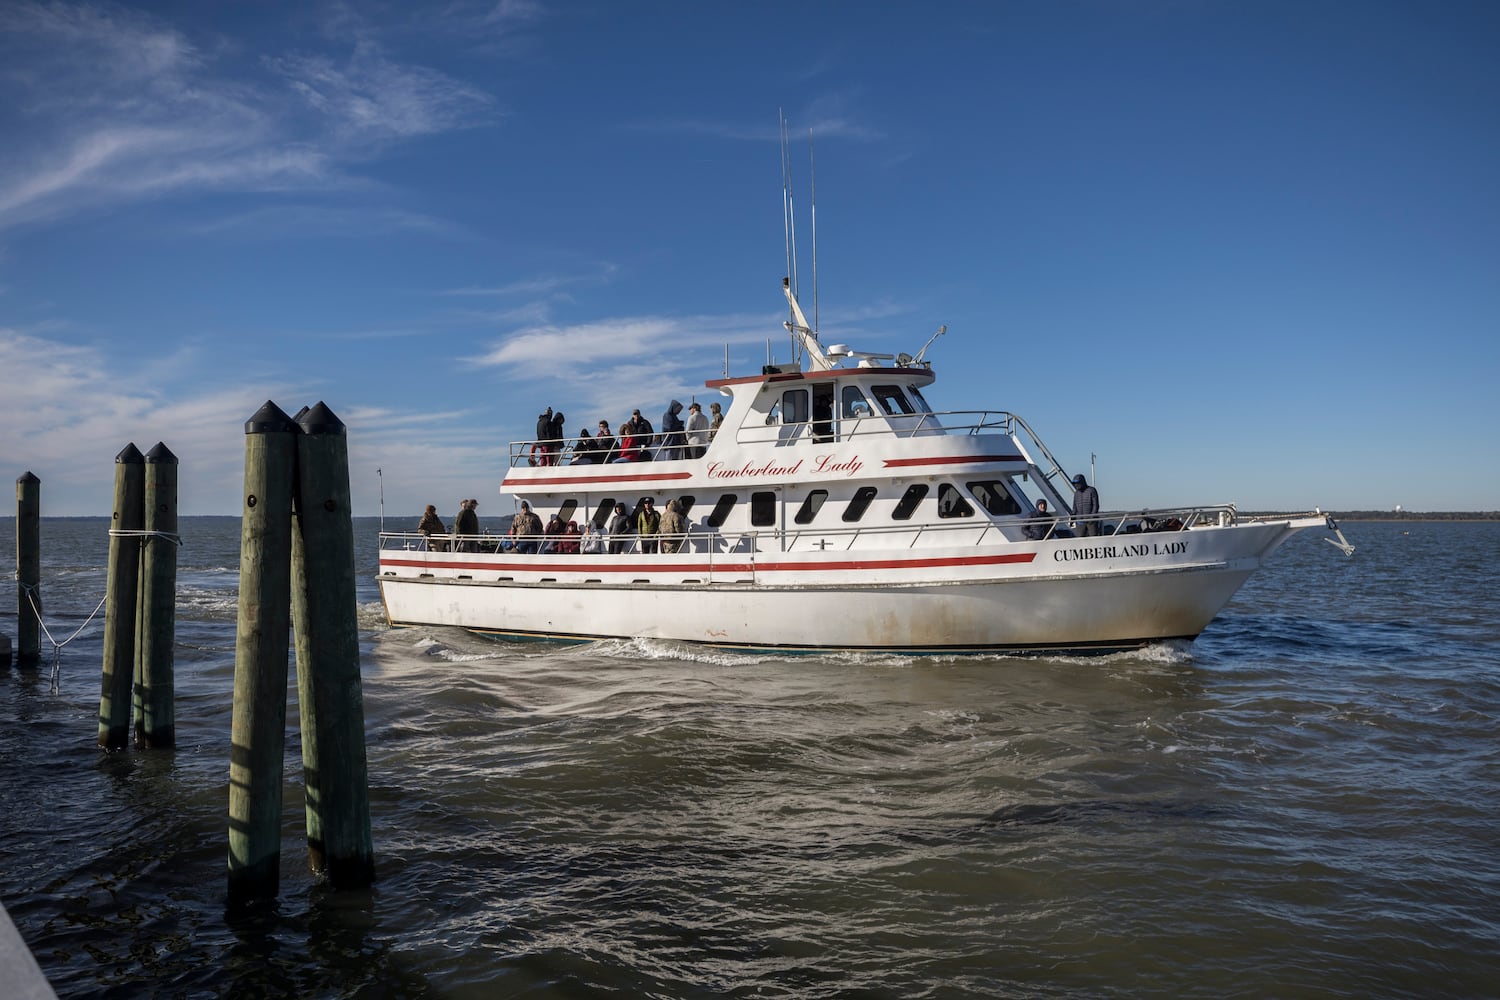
(673, 527)
(619, 530)
(671, 430)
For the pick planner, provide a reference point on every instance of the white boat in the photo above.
(835, 509)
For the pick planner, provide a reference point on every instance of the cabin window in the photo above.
(685, 504)
(854, 404)
(721, 510)
(908, 503)
(794, 406)
(952, 503)
(917, 395)
(565, 512)
(860, 503)
(603, 511)
(763, 508)
(892, 401)
(811, 506)
(994, 497)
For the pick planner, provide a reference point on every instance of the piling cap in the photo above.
(27, 477)
(160, 455)
(129, 455)
(320, 420)
(270, 419)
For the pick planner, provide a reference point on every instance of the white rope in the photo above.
(29, 590)
(142, 533)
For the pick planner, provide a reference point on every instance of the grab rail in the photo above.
(905, 536)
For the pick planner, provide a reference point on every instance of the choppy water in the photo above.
(1305, 802)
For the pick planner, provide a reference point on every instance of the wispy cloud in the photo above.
(75, 410)
(108, 104)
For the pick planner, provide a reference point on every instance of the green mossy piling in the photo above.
(258, 730)
(120, 599)
(325, 620)
(155, 723)
(297, 567)
(28, 571)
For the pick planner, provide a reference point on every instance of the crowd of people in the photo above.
(637, 441)
(645, 527)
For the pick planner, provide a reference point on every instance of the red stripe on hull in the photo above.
(519, 483)
(897, 463)
(614, 566)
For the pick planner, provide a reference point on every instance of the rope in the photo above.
(29, 590)
(171, 536)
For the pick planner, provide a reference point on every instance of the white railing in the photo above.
(802, 538)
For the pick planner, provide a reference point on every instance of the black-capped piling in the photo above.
(325, 622)
(28, 570)
(258, 729)
(155, 722)
(120, 590)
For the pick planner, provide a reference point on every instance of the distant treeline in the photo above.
(1412, 515)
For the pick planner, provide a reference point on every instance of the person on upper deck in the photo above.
(604, 443)
(1085, 507)
(671, 430)
(585, 449)
(697, 431)
(543, 436)
(634, 436)
(715, 418)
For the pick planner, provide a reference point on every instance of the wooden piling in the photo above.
(28, 570)
(325, 622)
(120, 599)
(258, 730)
(156, 723)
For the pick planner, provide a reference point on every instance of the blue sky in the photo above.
(1241, 252)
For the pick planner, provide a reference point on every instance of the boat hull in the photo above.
(1085, 595)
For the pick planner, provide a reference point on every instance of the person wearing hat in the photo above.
(526, 526)
(647, 524)
(697, 431)
(1085, 507)
(466, 525)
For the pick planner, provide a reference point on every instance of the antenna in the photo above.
(940, 331)
(379, 476)
(786, 196)
(812, 176)
(726, 359)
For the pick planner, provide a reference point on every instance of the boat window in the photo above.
(603, 511)
(952, 503)
(811, 506)
(860, 503)
(565, 512)
(854, 403)
(908, 503)
(721, 510)
(685, 504)
(892, 400)
(794, 406)
(994, 497)
(763, 508)
(917, 395)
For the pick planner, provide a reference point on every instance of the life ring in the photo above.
(531, 458)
